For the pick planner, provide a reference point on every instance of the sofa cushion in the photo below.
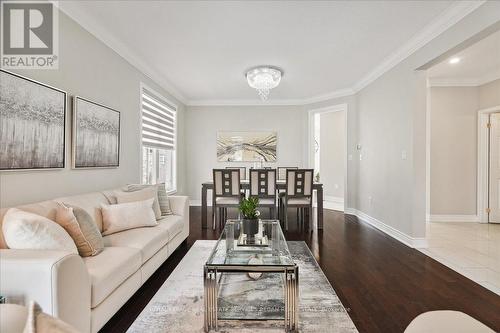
(90, 202)
(125, 216)
(173, 223)
(147, 240)
(27, 231)
(109, 269)
(141, 195)
(44, 208)
(81, 227)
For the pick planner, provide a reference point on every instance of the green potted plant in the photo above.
(248, 209)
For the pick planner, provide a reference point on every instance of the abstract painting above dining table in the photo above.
(251, 146)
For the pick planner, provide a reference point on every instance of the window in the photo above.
(159, 119)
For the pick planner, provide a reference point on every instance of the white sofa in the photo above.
(87, 292)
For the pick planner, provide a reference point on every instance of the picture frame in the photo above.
(96, 135)
(33, 130)
(247, 146)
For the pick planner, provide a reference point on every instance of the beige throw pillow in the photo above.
(81, 227)
(28, 231)
(126, 216)
(162, 196)
(144, 194)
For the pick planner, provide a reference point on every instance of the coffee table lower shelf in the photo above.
(290, 291)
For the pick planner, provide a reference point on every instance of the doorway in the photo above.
(489, 165)
(328, 153)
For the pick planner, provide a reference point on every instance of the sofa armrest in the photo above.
(179, 205)
(58, 281)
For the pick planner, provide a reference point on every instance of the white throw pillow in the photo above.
(28, 231)
(144, 194)
(126, 216)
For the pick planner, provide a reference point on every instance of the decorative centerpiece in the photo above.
(250, 224)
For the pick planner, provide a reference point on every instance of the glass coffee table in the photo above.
(266, 252)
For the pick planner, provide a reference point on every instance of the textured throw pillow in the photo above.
(81, 227)
(162, 196)
(23, 230)
(144, 194)
(126, 216)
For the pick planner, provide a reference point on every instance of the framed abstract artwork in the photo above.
(96, 135)
(259, 146)
(32, 126)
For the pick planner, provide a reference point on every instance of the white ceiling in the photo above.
(479, 64)
(199, 50)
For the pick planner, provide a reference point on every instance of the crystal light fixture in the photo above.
(263, 79)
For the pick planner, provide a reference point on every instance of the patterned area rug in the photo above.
(178, 304)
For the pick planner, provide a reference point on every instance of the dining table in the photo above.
(280, 186)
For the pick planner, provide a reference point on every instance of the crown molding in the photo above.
(463, 82)
(440, 24)
(453, 14)
(271, 102)
(73, 10)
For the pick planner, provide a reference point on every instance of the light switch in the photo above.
(403, 154)
(350, 157)
(360, 157)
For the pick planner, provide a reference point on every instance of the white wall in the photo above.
(332, 153)
(392, 119)
(202, 124)
(453, 150)
(454, 112)
(489, 95)
(90, 69)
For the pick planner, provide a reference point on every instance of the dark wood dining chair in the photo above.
(281, 177)
(226, 193)
(298, 194)
(243, 172)
(282, 172)
(263, 186)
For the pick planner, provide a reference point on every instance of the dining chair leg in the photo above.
(214, 216)
(279, 208)
(302, 220)
(285, 215)
(310, 217)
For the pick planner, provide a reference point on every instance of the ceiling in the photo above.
(199, 50)
(479, 64)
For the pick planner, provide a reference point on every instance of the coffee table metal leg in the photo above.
(292, 300)
(210, 288)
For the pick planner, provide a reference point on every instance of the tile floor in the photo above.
(472, 249)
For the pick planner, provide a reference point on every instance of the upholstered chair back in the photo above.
(263, 183)
(299, 182)
(282, 172)
(226, 182)
(243, 172)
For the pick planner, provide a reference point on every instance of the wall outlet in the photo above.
(403, 155)
(360, 157)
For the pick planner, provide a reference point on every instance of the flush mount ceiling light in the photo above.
(263, 79)
(454, 60)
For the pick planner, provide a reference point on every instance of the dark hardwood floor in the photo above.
(382, 283)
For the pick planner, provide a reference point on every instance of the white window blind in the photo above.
(158, 122)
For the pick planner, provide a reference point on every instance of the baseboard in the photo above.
(197, 203)
(333, 203)
(414, 242)
(453, 218)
